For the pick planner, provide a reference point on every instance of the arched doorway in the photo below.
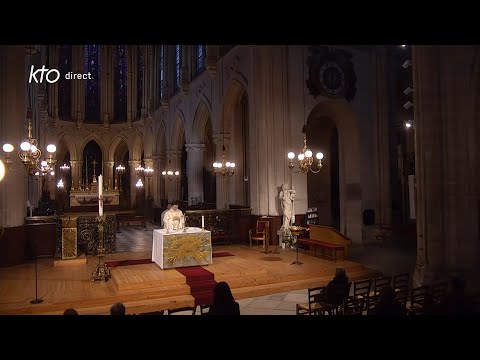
(323, 188)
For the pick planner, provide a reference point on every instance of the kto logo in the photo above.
(51, 75)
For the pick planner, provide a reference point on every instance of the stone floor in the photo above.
(390, 260)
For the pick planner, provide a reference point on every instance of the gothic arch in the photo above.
(232, 97)
(200, 120)
(70, 145)
(178, 134)
(346, 122)
(95, 138)
(114, 146)
(149, 143)
(137, 148)
(160, 141)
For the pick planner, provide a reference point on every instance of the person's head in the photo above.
(169, 206)
(175, 205)
(117, 309)
(222, 293)
(340, 273)
(70, 312)
(387, 294)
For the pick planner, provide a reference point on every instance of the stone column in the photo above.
(446, 89)
(149, 181)
(75, 167)
(133, 181)
(107, 86)
(381, 136)
(158, 182)
(132, 85)
(78, 87)
(166, 74)
(222, 182)
(185, 73)
(13, 77)
(211, 59)
(195, 172)
(53, 88)
(173, 186)
(108, 175)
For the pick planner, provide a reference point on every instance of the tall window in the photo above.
(120, 82)
(178, 65)
(199, 59)
(64, 86)
(140, 67)
(92, 86)
(162, 69)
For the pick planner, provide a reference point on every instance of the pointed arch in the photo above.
(200, 120)
(233, 96)
(160, 141)
(178, 134)
(116, 144)
(350, 190)
(95, 138)
(70, 145)
(137, 148)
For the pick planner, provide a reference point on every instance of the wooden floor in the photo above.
(145, 288)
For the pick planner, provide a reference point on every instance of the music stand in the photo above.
(35, 255)
(296, 230)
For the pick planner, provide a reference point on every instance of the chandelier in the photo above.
(305, 158)
(224, 168)
(31, 156)
(169, 173)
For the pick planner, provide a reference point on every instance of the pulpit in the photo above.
(181, 248)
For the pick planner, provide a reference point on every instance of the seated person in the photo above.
(387, 304)
(332, 295)
(223, 301)
(70, 311)
(117, 309)
(174, 219)
(162, 217)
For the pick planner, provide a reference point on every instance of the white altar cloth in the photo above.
(181, 248)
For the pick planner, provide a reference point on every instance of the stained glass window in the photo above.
(140, 68)
(162, 69)
(178, 65)
(199, 59)
(64, 86)
(120, 64)
(92, 86)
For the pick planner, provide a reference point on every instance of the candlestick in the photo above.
(100, 195)
(203, 222)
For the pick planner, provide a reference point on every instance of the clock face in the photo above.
(332, 78)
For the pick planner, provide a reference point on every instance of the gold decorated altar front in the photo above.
(181, 248)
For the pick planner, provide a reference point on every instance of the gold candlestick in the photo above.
(101, 271)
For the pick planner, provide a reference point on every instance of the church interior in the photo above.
(291, 161)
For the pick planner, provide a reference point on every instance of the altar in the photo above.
(181, 248)
(90, 198)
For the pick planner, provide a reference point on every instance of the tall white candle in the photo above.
(203, 221)
(100, 195)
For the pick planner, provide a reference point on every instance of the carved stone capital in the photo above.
(194, 147)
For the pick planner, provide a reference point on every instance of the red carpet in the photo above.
(201, 282)
(112, 264)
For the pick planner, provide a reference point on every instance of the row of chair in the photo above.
(365, 296)
(192, 310)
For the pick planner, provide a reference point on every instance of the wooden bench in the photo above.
(325, 237)
(123, 220)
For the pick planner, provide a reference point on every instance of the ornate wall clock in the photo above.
(331, 73)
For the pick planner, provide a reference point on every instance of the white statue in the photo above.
(174, 219)
(287, 197)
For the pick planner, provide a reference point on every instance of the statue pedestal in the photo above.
(280, 239)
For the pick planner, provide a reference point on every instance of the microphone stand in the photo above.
(36, 300)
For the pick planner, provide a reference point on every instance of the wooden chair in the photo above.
(193, 309)
(204, 309)
(333, 302)
(361, 290)
(401, 282)
(379, 283)
(312, 307)
(439, 291)
(353, 306)
(417, 299)
(260, 233)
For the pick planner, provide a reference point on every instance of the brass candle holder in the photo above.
(101, 272)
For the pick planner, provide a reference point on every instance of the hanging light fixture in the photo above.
(224, 168)
(305, 158)
(29, 153)
(169, 173)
